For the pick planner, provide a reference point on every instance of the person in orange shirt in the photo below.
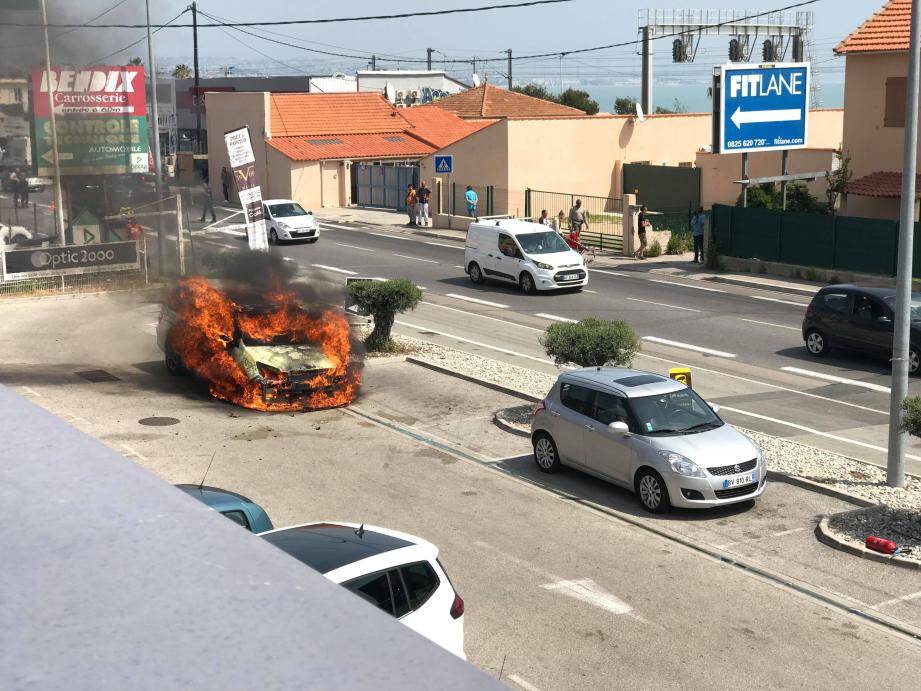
(411, 203)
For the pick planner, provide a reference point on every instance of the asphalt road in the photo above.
(560, 591)
(745, 346)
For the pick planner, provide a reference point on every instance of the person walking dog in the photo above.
(697, 231)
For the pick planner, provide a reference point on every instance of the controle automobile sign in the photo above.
(72, 259)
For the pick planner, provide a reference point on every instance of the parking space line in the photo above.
(333, 268)
(476, 300)
(686, 285)
(783, 302)
(662, 304)
(521, 682)
(441, 244)
(544, 361)
(482, 316)
(354, 247)
(778, 326)
(836, 379)
(418, 259)
(553, 317)
(893, 601)
(810, 430)
(688, 346)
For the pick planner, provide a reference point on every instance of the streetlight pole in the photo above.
(895, 462)
(56, 160)
(158, 176)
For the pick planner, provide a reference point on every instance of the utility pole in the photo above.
(898, 439)
(56, 160)
(646, 95)
(158, 176)
(373, 63)
(428, 59)
(509, 53)
(198, 95)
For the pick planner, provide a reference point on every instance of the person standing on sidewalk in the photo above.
(471, 199)
(577, 220)
(422, 204)
(207, 200)
(697, 231)
(22, 191)
(411, 203)
(544, 219)
(226, 179)
(642, 225)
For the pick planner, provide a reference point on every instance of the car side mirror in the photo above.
(715, 407)
(618, 427)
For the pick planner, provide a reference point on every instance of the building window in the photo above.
(895, 102)
(686, 164)
(17, 95)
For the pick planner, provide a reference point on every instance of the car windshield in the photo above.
(287, 210)
(542, 243)
(677, 412)
(915, 305)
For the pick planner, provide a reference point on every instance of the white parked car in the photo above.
(285, 219)
(530, 254)
(397, 572)
(648, 433)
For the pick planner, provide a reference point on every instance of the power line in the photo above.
(140, 40)
(289, 22)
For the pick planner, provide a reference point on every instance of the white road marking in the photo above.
(586, 290)
(354, 247)
(288, 259)
(392, 237)
(418, 259)
(586, 590)
(836, 379)
(476, 300)
(553, 317)
(458, 267)
(214, 223)
(783, 302)
(688, 346)
(132, 452)
(441, 244)
(421, 287)
(686, 285)
(893, 601)
(779, 326)
(476, 343)
(32, 392)
(232, 232)
(788, 532)
(662, 304)
(809, 430)
(745, 542)
(333, 268)
(521, 682)
(483, 316)
(609, 273)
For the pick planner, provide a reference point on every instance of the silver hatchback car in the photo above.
(648, 433)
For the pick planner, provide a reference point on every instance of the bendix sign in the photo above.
(93, 91)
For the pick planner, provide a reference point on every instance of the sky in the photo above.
(550, 28)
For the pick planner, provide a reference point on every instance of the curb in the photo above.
(473, 380)
(507, 427)
(439, 236)
(790, 290)
(803, 483)
(825, 536)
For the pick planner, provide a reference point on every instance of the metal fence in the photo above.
(604, 215)
(485, 195)
(845, 243)
(34, 222)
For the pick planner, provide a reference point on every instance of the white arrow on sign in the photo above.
(741, 117)
(62, 156)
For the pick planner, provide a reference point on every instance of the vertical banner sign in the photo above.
(243, 167)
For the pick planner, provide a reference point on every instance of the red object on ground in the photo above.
(878, 544)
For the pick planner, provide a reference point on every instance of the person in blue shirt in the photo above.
(697, 230)
(471, 198)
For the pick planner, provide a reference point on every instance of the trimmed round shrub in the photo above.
(591, 343)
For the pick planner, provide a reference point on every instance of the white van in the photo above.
(530, 254)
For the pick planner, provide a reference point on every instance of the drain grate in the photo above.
(158, 421)
(97, 376)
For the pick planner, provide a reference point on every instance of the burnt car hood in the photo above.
(289, 358)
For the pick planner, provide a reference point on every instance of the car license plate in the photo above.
(739, 480)
(569, 277)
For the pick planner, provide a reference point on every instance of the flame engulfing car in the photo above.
(263, 352)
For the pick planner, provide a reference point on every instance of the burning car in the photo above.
(266, 352)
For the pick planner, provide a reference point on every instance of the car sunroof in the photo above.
(639, 379)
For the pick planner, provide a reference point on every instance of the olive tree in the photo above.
(911, 420)
(384, 300)
(591, 343)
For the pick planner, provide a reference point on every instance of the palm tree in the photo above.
(182, 71)
(136, 61)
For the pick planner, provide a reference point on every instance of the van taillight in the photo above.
(457, 609)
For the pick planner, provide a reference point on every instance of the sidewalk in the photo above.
(679, 266)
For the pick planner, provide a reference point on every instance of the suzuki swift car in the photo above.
(396, 572)
(647, 433)
(287, 220)
(531, 255)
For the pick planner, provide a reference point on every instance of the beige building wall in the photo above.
(230, 110)
(304, 177)
(279, 175)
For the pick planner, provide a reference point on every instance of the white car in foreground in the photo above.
(397, 572)
(285, 219)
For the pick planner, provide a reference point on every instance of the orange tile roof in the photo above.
(359, 146)
(887, 30)
(440, 127)
(315, 114)
(882, 183)
(488, 101)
